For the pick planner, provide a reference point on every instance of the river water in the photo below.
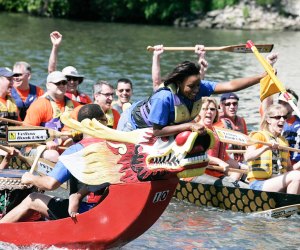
(104, 51)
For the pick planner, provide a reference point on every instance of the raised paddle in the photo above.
(269, 69)
(241, 48)
(237, 138)
(285, 211)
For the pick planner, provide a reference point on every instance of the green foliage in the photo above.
(246, 12)
(221, 4)
(266, 2)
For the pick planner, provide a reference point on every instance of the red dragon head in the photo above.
(135, 156)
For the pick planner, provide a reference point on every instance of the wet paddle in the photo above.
(269, 69)
(241, 48)
(285, 211)
(237, 138)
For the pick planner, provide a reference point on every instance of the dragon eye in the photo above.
(182, 138)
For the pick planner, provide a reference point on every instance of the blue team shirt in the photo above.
(162, 110)
(60, 172)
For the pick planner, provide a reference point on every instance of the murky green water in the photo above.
(110, 51)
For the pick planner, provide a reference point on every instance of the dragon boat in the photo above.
(232, 198)
(142, 171)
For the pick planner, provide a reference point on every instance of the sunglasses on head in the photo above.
(278, 117)
(60, 83)
(227, 104)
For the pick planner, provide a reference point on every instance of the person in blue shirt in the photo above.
(56, 207)
(175, 104)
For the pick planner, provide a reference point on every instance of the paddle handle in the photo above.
(150, 48)
(241, 48)
(40, 149)
(11, 121)
(221, 169)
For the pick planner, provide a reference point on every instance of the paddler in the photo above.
(173, 107)
(270, 168)
(46, 110)
(56, 207)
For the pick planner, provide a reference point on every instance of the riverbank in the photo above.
(247, 15)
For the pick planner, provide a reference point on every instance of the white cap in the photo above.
(71, 71)
(56, 76)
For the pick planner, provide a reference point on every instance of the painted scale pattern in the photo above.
(235, 199)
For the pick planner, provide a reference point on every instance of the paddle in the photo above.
(221, 169)
(271, 73)
(20, 135)
(285, 211)
(241, 48)
(39, 151)
(237, 138)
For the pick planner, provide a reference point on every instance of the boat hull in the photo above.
(230, 198)
(127, 211)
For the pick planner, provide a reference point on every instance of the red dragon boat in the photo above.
(125, 212)
(143, 172)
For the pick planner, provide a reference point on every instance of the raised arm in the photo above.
(156, 75)
(199, 50)
(56, 39)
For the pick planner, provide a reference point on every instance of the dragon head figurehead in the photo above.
(118, 156)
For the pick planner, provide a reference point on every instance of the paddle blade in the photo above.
(267, 87)
(232, 137)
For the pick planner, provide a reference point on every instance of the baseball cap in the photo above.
(6, 72)
(230, 95)
(56, 76)
(72, 71)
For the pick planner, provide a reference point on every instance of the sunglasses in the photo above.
(278, 117)
(126, 90)
(70, 78)
(60, 83)
(18, 74)
(211, 109)
(107, 94)
(227, 104)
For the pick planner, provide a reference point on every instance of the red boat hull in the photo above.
(126, 212)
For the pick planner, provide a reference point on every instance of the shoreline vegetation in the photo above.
(208, 14)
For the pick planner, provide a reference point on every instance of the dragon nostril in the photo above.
(182, 138)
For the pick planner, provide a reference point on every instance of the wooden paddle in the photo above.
(241, 48)
(39, 151)
(235, 151)
(271, 73)
(237, 138)
(221, 169)
(285, 211)
(23, 135)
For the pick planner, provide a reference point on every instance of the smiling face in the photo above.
(105, 97)
(208, 113)
(190, 86)
(124, 92)
(22, 77)
(230, 107)
(72, 85)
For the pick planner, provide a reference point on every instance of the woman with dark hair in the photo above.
(173, 107)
